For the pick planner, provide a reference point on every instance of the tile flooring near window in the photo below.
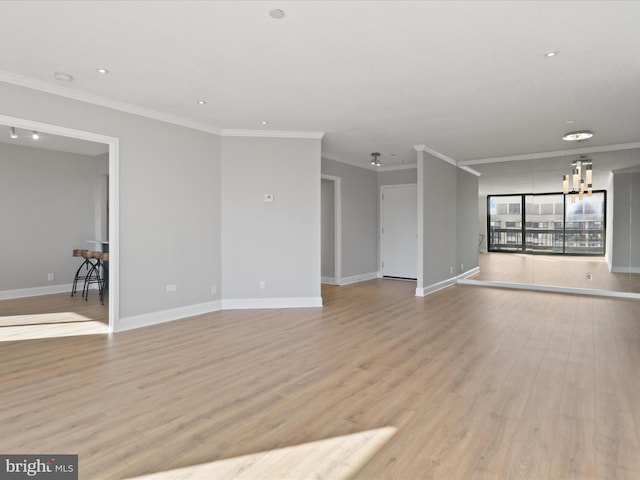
(469, 382)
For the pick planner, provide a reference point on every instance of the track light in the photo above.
(35, 135)
(12, 132)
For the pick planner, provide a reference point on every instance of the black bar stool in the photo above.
(96, 274)
(86, 265)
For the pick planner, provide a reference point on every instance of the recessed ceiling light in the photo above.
(35, 135)
(276, 13)
(102, 71)
(577, 136)
(13, 133)
(264, 122)
(551, 54)
(63, 77)
(570, 122)
(201, 102)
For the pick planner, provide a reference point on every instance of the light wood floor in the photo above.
(466, 383)
(555, 270)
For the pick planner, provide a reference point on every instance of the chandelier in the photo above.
(581, 178)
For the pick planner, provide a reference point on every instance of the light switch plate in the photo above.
(268, 198)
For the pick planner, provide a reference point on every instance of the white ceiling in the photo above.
(469, 80)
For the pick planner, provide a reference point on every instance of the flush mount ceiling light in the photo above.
(13, 133)
(102, 71)
(276, 13)
(264, 122)
(201, 102)
(375, 160)
(577, 135)
(63, 77)
(551, 54)
(35, 135)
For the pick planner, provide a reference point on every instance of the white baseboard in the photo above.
(358, 278)
(469, 273)
(36, 291)
(423, 292)
(251, 303)
(329, 280)
(549, 288)
(155, 318)
(624, 269)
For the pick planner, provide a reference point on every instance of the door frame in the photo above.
(380, 192)
(114, 197)
(337, 227)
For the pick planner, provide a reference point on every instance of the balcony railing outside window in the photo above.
(547, 224)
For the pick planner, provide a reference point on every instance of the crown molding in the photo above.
(22, 81)
(557, 153)
(470, 170)
(435, 153)
(229, 132)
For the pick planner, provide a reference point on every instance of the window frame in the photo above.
(521, 248)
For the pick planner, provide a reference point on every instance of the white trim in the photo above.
(468, 273)
(328, 280)
(470, 170)
(364, 277)
(337, 227)
(163, 316)
(35, 291)
(230, 132)
(429, 289)
(73, 94)
(420, 221)
(431, 151)
(624, 269)
(549, 288)
(557, 153)
(258, 303)
(114, 199)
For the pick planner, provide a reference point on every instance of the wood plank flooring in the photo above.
(467, 383)
(555, 270)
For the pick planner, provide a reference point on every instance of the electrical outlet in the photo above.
(214, 289)
(589, 276)
(50, 277)
(462, 267)
(262, 285)
(172, 287)
(451, 272)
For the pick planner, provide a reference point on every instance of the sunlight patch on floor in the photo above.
(47, 325)
(336, 458)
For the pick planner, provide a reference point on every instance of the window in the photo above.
(547, 223)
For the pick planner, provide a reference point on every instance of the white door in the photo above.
(399, 231)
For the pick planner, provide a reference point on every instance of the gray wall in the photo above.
(279, 242)
(359, 217)
(398, 177)
(327, 229)
(169, 198)
(48, 208)
(466, 218)
(439, 197)
(626, 222)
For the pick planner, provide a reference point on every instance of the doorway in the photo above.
(113, 196)
(331, 230)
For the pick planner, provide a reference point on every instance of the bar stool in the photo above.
(86, 265)
(96, 274)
